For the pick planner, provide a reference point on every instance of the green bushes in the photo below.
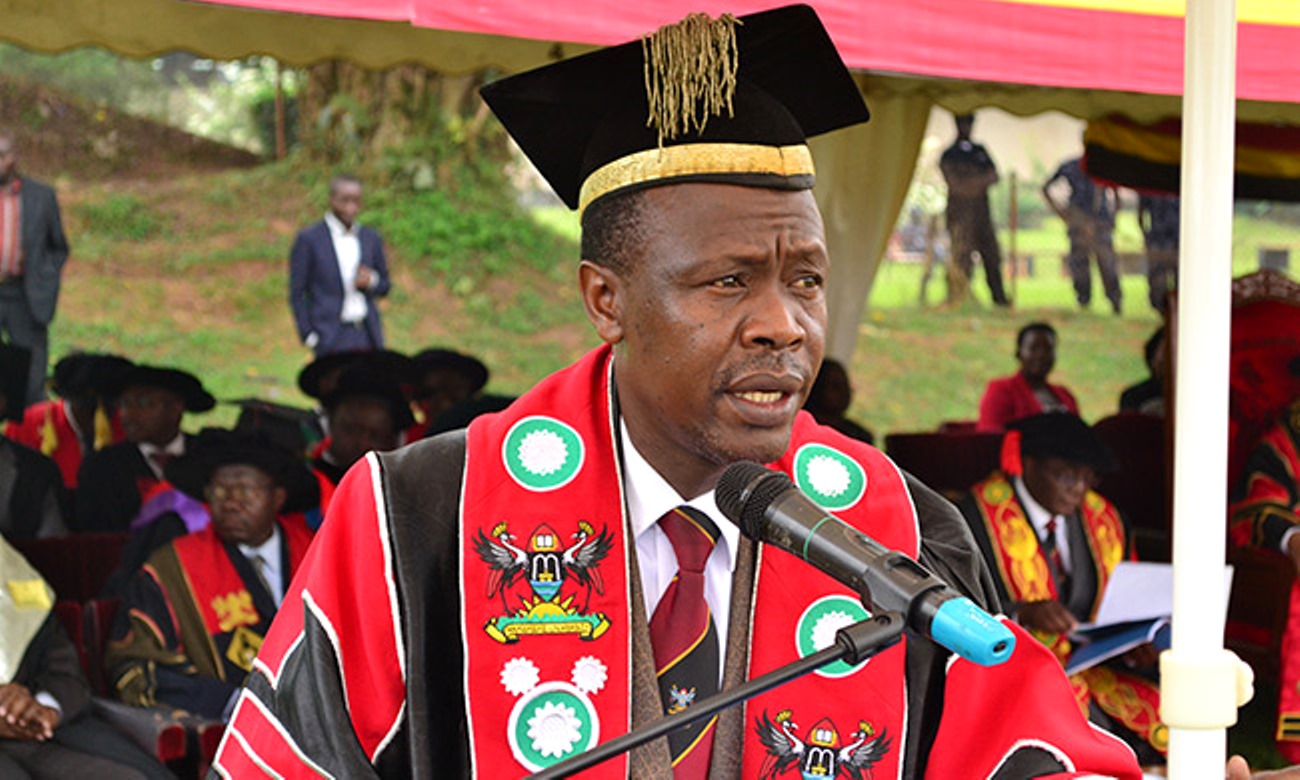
(121, 217)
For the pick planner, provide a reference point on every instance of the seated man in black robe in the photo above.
(114, 482)
(48, 729)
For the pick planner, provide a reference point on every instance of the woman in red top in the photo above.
(1028, 391)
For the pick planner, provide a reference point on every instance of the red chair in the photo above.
(75, 566)
(1139, 487)
(1257, 608)
(947, 462)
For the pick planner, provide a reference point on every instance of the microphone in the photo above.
(769, 508)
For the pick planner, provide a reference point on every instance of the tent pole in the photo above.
(1199, 679)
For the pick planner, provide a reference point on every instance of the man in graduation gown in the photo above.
(1052, 543)
(367, 411)
(492, 601)
(83, 419)
(48, 728)
(194, 616)
(116, 481)
(1265, 513)
(32, 501)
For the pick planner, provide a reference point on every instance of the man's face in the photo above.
(719, 326)
(150, 414)
(439, 389)
(345, 201)
(8, 159)
(1037, 354)
(244, 502)
(359, 425)
(1057, 484)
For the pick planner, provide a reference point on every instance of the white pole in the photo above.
(1199, 679)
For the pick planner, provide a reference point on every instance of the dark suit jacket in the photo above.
(316, 289)
(108, 488)
(50, 664)
(45, 248)
(36, 480)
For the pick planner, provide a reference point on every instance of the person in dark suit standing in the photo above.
(33, 250)
(337, 273)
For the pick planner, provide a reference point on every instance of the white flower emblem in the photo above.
(543, 452)
(827, 475)
(589, 674)
(519, 676)
(823, 631)
(553, 728)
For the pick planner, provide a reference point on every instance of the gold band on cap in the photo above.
(671, 162)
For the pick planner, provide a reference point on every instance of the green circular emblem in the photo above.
(829, 477)
(817, 625)
(542, 453)
(554, 721)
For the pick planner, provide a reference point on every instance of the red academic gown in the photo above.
(45, 427)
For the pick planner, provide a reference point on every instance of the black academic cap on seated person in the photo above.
(357, 382)
(14, 365)
(213, 448)
(182, 383)
(595, 124)
(467, 366)
(1063, 435)
(313, 379)
(87, 374)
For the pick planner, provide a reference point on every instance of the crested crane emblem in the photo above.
(819, 754)
(556, 575)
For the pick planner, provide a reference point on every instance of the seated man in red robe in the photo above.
(193, 617)
(1265, 513)
(84, 417)
(1026, 392)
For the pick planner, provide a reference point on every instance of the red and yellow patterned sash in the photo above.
(1021, 565)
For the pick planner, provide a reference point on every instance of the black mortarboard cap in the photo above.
(580, 116)
(182, 383)
(1063, 435)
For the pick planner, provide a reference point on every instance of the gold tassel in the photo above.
(49, 436)
(103, 428)
(690, 73)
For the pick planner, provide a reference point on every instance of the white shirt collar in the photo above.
(336, 225)
(650, 497)
(269, 550)
(174, 447)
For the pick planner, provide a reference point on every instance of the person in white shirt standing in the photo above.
(337, 273)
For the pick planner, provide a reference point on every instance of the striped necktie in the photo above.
(685, 640)
(1054, 560)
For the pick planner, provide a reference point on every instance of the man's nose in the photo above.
(774, 319)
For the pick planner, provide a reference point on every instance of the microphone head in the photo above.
(745, 491)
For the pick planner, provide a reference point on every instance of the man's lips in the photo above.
(766, 399)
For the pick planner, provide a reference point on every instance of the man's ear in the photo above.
(602, 297)
(278, 496)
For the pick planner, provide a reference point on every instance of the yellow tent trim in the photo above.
(1250, 11)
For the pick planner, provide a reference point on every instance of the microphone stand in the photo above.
(853, 644)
